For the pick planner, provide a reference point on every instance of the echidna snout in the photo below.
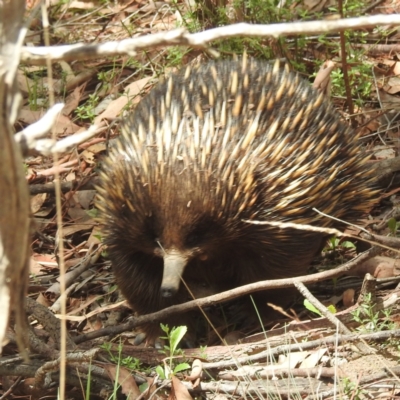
(174, 265)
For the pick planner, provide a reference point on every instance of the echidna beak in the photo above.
(174, 265)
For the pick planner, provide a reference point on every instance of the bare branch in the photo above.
(38, 55)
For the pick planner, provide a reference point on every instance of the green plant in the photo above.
(360, 70)
(200, 16)
(129, 362)
(352, 390)
(334, 244)
(189, 17)
(350, 8)
(175, 55)
(93, 212)
(118, 361)
(37, 92)
(311, 308)
(337, 84)
(89, 380)
(360, 80)
(203, 352)
(393, 226)
(87, 110)
(370, 319)
(173, 336)
(108, 78)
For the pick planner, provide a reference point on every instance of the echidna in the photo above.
(209, 148)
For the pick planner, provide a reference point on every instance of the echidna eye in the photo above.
(192, 239)
(201, 232)
(203, 256)
(150, 229)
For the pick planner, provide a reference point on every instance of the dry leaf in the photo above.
(84, 221)
(24, 83)
(125, 380)
(63, 125)
(179, 390)
(84, 198)
(73, 100)
(130, 95)
(88, 156)
(393, 85)
(80, 5)
(293, 359)
(37, 202)
(313, 359)
(95, 234)
(97, 147)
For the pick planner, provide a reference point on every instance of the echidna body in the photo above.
(208, 149)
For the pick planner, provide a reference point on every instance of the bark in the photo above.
(14, 197)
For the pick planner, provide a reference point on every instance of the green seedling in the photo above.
(335, 244)
(173, 336)
(370, 319)
(352, 390)
(129, 362)
(87, 110)
(93, 213)
(393, 226)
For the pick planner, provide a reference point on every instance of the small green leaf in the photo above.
(392, 224)
(332, 309)
(334, 241)
(181, 367)
(165, 328)
(160, 371)
(176, 336)
(310, 307)
(348, 245)
(143, 387)
(93, 213)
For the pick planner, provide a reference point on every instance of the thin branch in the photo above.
(230, 295)
(38, 55)
(343, 55)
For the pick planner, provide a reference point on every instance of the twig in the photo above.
(228, 295)
(75, 52)
(363, 347)
(312, 344)
(343, 55)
